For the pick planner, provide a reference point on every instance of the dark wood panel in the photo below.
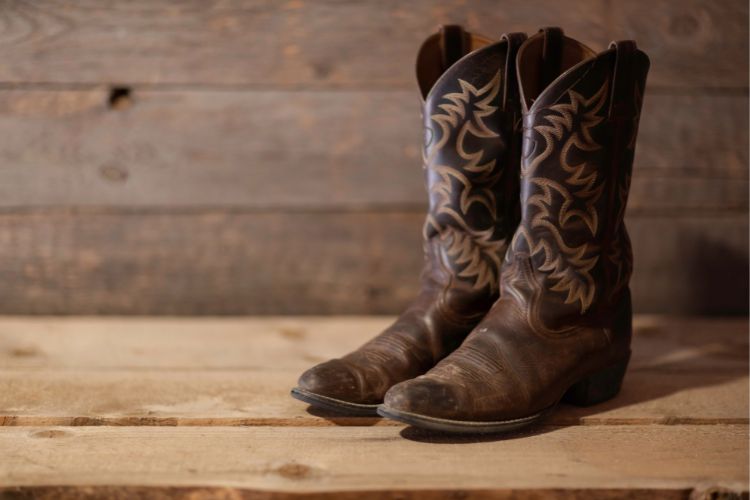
(310, 149)
(210, 148)
(694, 133)
(690, 265)
(261, 263)
(208, 263)
(341, 43)
(266, 42)
(691, 42)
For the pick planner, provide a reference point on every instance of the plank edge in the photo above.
(148, 492)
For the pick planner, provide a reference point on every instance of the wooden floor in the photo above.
(200, 407)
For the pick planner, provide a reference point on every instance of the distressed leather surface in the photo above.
(564, 311)
(471, 157)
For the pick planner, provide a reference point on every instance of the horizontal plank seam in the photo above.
(338, 209)
(208, 491)
(171, 421)
(252, 370)
(738, 91)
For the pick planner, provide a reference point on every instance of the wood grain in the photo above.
(308, 263)
(292, 43)
(209, 262)
(332, 149)
(346, 44)
(372, 458)
(185, 196)
(291, 343)
(250, 398)
(178, 408)
(709, 40)
(212, 372)
(263, 157)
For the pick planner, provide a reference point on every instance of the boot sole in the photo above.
(460, 426)
(335, 405)
(592, 389)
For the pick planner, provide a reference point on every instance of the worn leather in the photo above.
(565, 311)
(471, 113)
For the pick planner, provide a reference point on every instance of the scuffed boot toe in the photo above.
(333, 385)
(333, 379)
(443, 406)
(425, 397)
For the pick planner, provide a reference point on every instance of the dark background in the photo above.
(245, 157)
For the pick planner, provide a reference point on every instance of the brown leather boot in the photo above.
(471, 156)
(561, 329)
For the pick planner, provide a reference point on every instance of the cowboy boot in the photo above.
(471, 156)
(561, 329)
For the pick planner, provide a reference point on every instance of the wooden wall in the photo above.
(263, 156)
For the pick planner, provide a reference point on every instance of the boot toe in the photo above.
(425, 396)
(332, 379)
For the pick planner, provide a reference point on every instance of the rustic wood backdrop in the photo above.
(263, 156)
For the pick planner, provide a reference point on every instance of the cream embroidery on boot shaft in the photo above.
(476, 253)
(556, 205)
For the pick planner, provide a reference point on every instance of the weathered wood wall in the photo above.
(263, 156)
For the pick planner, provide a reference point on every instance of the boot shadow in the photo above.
(341, 420)
(436, 437)
(691, 352)
(664, 363)
(662, 367)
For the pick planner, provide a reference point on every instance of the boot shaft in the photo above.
(471, 158)
(581, 113)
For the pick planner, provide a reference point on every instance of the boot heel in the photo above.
(597, 387)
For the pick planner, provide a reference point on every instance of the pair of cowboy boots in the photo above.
(525, 299)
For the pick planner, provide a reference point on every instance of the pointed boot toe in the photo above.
(423, 398)
(437, 403)
(334, 386)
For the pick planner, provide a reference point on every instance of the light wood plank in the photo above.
(252, 398)
(311, 150)
(167, 344)
(309, 263)
(330, 43)
(676, 344)
(212, 372)
(376, 458)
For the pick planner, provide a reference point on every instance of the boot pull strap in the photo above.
(514, 41)
(551, 54)
(452, 44)
(621, 93)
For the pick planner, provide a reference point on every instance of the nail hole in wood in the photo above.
(120, 98)
(114, 172)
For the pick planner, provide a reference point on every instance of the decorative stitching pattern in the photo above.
(557, 205)
(467, 184)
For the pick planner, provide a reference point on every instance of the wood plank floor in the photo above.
(158, 407)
